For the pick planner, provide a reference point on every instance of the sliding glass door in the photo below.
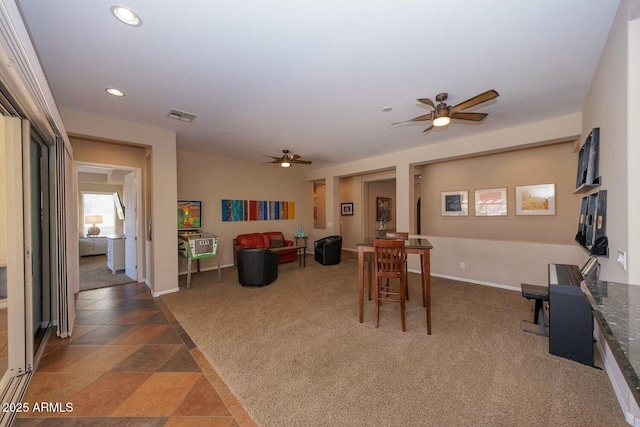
(24, 247)
(37, 221)
(18, 355)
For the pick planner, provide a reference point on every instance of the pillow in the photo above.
(277, 243)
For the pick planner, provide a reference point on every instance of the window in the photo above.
(99, 204)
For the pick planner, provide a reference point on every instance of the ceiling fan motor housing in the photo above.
(443, 110)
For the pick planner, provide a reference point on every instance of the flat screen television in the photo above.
(119, 206)
(189, 215)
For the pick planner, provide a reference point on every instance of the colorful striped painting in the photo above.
(257, 210)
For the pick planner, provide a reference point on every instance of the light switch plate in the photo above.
(622, 259)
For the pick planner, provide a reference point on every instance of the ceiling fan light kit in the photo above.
(441, 121)
(442, 113)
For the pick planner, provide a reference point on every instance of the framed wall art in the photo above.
(536, 199)
(491, 202)
(383, 209)
(346, 209)
(455, 203)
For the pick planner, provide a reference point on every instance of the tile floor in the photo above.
(129, 362)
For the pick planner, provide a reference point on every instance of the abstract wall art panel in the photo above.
(257, 210)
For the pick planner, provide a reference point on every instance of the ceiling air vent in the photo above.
(181, 115)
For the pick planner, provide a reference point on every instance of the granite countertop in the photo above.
(616, 307)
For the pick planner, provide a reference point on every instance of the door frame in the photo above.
(139, 211)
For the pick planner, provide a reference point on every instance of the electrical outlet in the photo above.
(462, 265)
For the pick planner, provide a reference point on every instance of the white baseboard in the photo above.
(624, 395)
(477, 282)
(168, 291)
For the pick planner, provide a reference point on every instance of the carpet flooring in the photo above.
(94, 273)
(295, 354)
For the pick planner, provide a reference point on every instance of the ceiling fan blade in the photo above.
(428, 129)
(476, 117)
(293, 157)
(427, 101)
(478, 99)
(416, 119)
(302, 162)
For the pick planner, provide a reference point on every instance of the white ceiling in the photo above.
(313, 76)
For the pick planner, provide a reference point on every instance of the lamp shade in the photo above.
(93, 219)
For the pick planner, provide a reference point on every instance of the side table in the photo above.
(302, 241)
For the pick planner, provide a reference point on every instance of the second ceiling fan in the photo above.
(442, 113)
(287, 159)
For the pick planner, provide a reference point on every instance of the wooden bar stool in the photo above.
(389, 260)
(398, 235)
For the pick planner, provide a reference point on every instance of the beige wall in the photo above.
(362, 190)
(107, 152)
(350, 192)
(606, 108)
(550, 164)
(211, 179)
(162, 249)
(486, 261)
(319, 206)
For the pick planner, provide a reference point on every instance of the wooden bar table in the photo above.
(420, 246)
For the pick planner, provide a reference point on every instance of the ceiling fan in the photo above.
(443, 113)
(287, 159)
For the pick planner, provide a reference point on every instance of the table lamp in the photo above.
(93, 219)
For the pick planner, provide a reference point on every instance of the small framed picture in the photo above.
(346, 209)
(455, 203)
(491, 202)
(536, 199)
(383, 209)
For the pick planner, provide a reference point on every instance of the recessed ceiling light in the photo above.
(115, 92)
(386, 109)
(126, 15)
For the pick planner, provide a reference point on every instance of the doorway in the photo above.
(120, 253)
